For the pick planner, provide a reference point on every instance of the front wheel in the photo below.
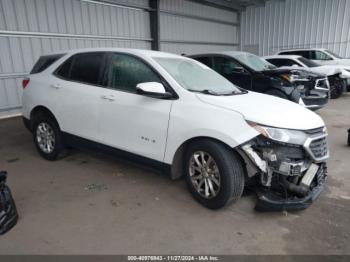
(336, 86)
(47, 137)
(214, 174)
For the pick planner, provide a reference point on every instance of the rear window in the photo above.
(44, 62)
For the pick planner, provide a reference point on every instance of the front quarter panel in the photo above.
(193, 119)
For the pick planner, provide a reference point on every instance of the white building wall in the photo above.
(297, 23)
(204, 29)
(30, 28)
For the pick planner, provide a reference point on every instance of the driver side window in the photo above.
(226, 66)
(318, 55)
(126, 72)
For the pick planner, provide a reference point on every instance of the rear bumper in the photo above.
(270, 201)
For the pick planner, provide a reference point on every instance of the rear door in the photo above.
(78, 88)
(321, 57)
(233, 71)
(130, 121)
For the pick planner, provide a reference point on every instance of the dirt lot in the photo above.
(96, 204)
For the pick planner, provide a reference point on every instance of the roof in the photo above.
(301, 49)
(283, 56)
(142, 52)
(227, 53)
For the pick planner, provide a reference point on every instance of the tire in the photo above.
(277, 93)
(336, 86)
(230, 174)
(42, 122)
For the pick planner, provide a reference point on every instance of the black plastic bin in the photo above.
(8, 210)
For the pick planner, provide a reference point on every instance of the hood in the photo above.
(303, 72)
(330, 70)
(298, 73)
(277, 71)
(267, 110)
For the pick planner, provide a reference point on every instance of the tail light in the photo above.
(25, 82)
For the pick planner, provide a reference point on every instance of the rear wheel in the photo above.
(214, 173)
(336, 86)
(47, 137)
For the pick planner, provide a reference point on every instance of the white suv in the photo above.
(178, 114)
(319, 55)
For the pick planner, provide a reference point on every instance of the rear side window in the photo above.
(44, 62)
(85, 68)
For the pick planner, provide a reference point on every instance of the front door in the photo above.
(130, 121)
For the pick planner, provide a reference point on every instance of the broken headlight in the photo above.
(281, 135)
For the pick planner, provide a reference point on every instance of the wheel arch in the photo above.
(41, 110)
(177, 166)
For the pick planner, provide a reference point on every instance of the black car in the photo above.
(253, 73)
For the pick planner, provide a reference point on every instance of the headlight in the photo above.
(282, 135)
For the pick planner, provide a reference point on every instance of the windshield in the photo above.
(308, 62)
(254, 62)
(333, 54)
(196, 77)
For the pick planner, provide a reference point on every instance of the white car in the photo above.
(176, 113)
(338, 75)
(319, 55)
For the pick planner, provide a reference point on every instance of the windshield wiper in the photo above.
(205, 91)
(235, 92)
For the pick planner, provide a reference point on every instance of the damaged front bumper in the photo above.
(315, 94)
(286, 176)
(269, 200)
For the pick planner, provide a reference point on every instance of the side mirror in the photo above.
(239, 70)
(153, 89)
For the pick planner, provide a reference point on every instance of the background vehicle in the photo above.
(176, 113)
(337, 75)
(320, 55)
(254, 73)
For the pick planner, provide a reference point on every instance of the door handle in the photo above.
(56, 86)
(108, 97)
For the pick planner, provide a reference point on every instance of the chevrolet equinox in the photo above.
(178, 114)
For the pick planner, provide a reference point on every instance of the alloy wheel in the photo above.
(45, 137)
(204, 174)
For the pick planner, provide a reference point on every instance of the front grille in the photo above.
(322, 83)
(314, 131)
(319, 147)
